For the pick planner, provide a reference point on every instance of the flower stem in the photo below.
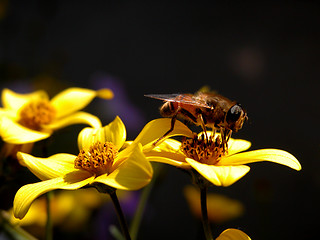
(49, 227)
(204, 211)
(120, 215)
(136, 222)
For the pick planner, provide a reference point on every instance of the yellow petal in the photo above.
(168, 152)
(170, 161)
(271, 155)
(12, 132)
(233, 234)
(28, 193)
(15, 101)
(157, 128)
(75, 118)
(114, 132)
(237, 145)
(105, 93)
(219, 175)
(9, 113)
(73, 99)
(133, 173)
(220, 207)
(54, 166)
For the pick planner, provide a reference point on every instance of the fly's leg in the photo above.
(225, 136)
(204, 127)
(224, 140)
(173, 120)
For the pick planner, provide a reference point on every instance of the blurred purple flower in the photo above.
(107, 216)
(120, 105)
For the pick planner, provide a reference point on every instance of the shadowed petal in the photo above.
(157, 128)
(220, 207)
(12, 132)
(271, 155)
(233, 234)
(114, 132)
(28, 193)
(168, 152)
(181, 163)
(220, 175)
(15, 101)
(133, 173)
(76, 118)
(54, 166)
(74, 99)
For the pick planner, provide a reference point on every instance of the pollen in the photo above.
(36, 113)
(98, 159)
(207, 151)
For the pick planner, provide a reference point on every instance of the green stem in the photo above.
(49, 225)
(204, 211)
(134, 228)
(12, 230)
(120, 215)
(135, 224)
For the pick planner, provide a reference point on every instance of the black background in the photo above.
(264, 55)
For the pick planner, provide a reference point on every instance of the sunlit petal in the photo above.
(114, 132)
(15, 101)
(75, 118)
(73, 99)
(219, 175)
(157, 128)
(9, 113)
(271, 155)
(28, 193)
(54, 166)
(233, 234)
(132, 174)
(237, 145)
(12, 132)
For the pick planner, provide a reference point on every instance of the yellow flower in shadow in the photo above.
(207, 156)
(220, 207)
(28, 118)
(70, 210)
(233, 234)
(101, 161)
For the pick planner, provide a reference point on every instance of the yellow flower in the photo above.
(208, 158)
(233, 234)
(28, 118)
(100, 161)
(69, 209)
(220, 207)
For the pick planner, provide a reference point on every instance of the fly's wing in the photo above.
(185, 98)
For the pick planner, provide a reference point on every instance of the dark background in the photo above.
(264, 55)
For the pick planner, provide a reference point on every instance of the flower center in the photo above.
(36, 113)
(207, 151)
(98, 159)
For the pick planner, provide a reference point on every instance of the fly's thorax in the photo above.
(168, 109)
(34, 114)
(98, 159)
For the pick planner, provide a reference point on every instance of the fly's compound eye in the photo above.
(234, 113)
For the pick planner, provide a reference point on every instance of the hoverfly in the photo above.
(205, 109)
